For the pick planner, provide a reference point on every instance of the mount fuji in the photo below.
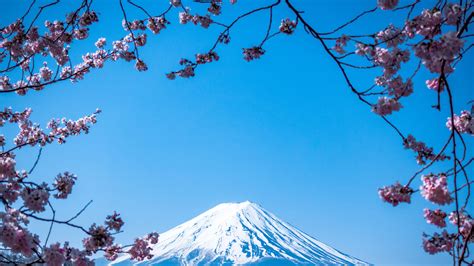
(240, 233)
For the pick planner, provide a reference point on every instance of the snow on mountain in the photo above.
(241, 233)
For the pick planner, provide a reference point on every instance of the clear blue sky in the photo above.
(283, 131)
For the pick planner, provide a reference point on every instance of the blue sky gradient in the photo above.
(284, 131)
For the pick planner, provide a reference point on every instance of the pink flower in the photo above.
(171, 75)
(112, 252)
(206, 58)
(452, 12)
(466, 224)
(215, 7)
(463, 123)
(114, 222)
(387, 4)
(153, 237)
(438, 55)
(140, 40)
(185, 17)
(156, 24)
(436, 217)
(386, 106)
(391, 36)
(7, 166)
(140, 250)
(88, 18)
(438, 242)
(396, 193)
(19, 240)
(389, 60)
(427, 24)
(140, 65)
(100, 42)
(54, 255)
(434, 84)
(45, 72)
(253, 53)
(435, 189)
(63, 184)
(175, 3)
(81, 34)
(287, 26)
(99, 238)
(423, 152)
(35, 198)
(398, 88)
(10, 191)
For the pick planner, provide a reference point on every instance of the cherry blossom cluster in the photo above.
(186, 72)
(24, 44)
(341, 42)
(206, 58)
(253, 53)
(63, 184)
(287, 26)
(438, 242)
(396, 193)
(387, 4)
(185, 17)
(386, 106)
(16, 188)
(466, 224)
(435, 189)
(423, 152)
(463, 123)
(436, 217)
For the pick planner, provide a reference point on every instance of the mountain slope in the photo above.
(241, 233)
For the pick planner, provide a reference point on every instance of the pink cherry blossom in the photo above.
(7, 166)
(153, 237)
(436, 217)
(463, 123)
(63, 184)
(175, 3)
(206, 58)
(100, 42)
(287, 26)
(99, 238)
(215, 7)
(156, 24)
(435, 189)
(395, 194)
(398, 88)
(438, 242)
(435, 84)
(18, 239)
(386, 106)
(391, 36)
(112, 252)
(54, 255)
(387, 4)
(114, 222)
(423, 152)
(45, 72)
(140, 250)
(35, 199)
(466, 224)
(253, 53)
(452, 13)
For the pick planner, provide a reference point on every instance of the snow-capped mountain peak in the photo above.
(241, 233)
